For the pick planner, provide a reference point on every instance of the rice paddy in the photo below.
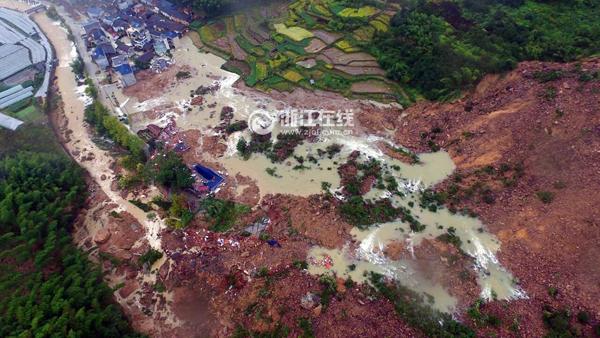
(305, 46)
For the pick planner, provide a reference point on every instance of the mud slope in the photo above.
(527, 149)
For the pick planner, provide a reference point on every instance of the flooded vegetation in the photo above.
(308, 169)
(367, 253)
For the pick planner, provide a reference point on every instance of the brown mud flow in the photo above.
(367, 254)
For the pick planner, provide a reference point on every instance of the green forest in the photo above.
(437, 49)
(48, 287)
(441, 48)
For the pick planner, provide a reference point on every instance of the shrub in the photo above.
(169, 170)
(222, 214)
(544, 76)
(583, 317)
(150, 257)
(545, 196)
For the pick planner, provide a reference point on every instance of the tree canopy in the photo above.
(48, 288)
(441, 48)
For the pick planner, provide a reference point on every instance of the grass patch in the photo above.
(545, 196)
(292, 76)
(27, 114)
(207, 34)
(248, 47)
(150, 257)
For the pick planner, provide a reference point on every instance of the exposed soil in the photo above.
(371, 87)
(360, 70)
(328, 37)
(341, 58)
(150, 84)
(215, 281)
(552, 131)
(315, 46)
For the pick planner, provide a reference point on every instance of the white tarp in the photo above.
(9, 122)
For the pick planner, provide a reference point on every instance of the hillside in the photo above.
(526, 146)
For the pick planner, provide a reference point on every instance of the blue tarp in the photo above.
(124, 69)
(212, 179)
(98, 53)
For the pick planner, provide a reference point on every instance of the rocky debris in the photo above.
(197, 101)
(130, 287)
(211, 89)
(163, 271)
(309, 301)
(518, 136)
(317, 310)
(102, 236)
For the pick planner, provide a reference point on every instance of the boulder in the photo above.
(102, 236)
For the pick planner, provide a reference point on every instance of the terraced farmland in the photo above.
(315, 44)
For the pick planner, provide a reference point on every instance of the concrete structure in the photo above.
(127, 76)
(161, 47)
(9, 122)
(13, 59)
(37, 49)
(14, 95)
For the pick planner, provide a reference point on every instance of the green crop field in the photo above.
(27, 114)
(309, 30)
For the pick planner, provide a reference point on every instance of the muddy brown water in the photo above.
(481, 246)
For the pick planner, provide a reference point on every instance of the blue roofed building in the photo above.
(100, 58)
(161, 47)
(95, 12)
(126, 73)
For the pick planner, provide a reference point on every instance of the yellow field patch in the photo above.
(292, 76)
(320, 9)
(295, 33)
(380, 26)
(230, 25)
(346, 46)
(261, 71)
(364, 33)
(239, 21)
(207, 33)
(363, 12)
(384, 18)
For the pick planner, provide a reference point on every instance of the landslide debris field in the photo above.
(301, 224)
(470, 218)
(305, 44)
